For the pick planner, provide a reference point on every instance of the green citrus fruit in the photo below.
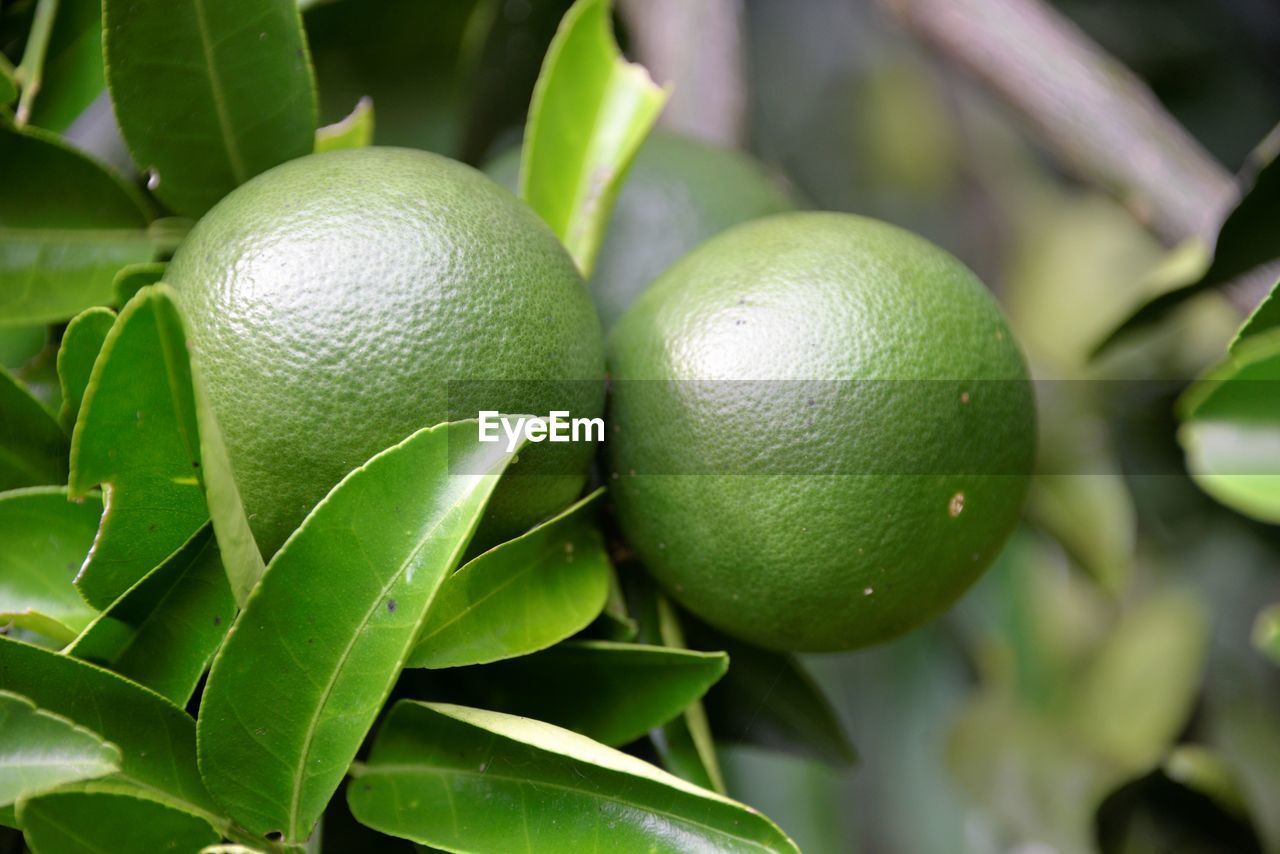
(334, 301)
(678, 193)
(842, 435)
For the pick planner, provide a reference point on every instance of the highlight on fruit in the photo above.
(565, 426)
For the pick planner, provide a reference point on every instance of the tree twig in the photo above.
(696, 45)
(30, 72)
(1088, 109)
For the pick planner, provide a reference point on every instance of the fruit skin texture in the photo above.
(330, 300)
(678, 193)
(761, 544)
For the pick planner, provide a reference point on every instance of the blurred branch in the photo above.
(1090, 110)
(696, 45)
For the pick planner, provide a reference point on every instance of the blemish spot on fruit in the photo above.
(867, 591)
(391, 605)
(964, 397)
(662, 546)
(615, 475)
(956, 506)
(568, 548)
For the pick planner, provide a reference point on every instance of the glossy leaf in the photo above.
(66, 225)
(610, 692)
(1246, 240)
(240, 554)
(81, 343)
(521, 596)
(33, 448)
(96, 818)
(41, 751)
(591, 109)
(470, 780)
(354, 131)
(156, 739)
(1231, 429)
(163, 631)
(208, 94)
(768, 698)
(136, 436)
(323, 637)
(1264, 318)
(43, 540)
(73, 75)
(134, 277)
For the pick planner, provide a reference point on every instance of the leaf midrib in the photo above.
(532, 566)
(332, 680)
(436, 771)
(229, 137)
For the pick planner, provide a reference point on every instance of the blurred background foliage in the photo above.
(1099, 688)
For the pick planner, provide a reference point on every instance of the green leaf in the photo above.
(1246, 240)
(1110, 719)
(1203, 770)
(591, 109)
(1266, 632)
(136, 436)
(1264, 318)
(134, 277)
(209, 94)
(326, 632)
(240, 554)
(73, 76)
(355, 131)
(42, 751)
(163, 631)
(1231, 429)
(156, 739)
(44, 538)
(768, 698)
(20, 344)
(610, 692)
(33, 448)
(66, 225)
(97, 818)
(519, 597)
(81, 343)
(1137, 693)
(469, 780)
(1092, 518)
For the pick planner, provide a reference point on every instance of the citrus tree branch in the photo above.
(1087, 108)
